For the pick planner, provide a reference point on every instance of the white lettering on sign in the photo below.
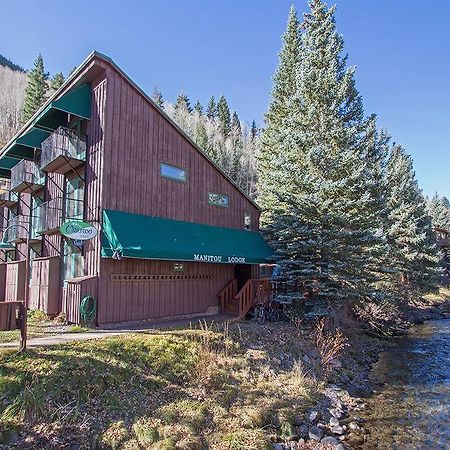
(208, 258)
(236, 259)
(218, 259)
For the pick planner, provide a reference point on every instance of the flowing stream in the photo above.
(411, 409)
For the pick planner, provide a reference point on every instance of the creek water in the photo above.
(411, 409)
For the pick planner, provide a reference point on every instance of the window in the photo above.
(247, 221)
(178, 267)
(218, 199)
(174, 173)
(75, 199)
(73, 261)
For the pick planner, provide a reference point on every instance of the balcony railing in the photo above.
(50, 215)
(63, 151)
(7, 198)
(19, 232)
(27, 177)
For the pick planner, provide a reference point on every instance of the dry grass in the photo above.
(210, 386)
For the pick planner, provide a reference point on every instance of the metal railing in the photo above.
(50, 214)
(28, 172)
(20, 232)
(5, 185)
(53, 213)
(63, 142)
(5, 191)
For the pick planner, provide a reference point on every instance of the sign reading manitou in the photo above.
(78, 230)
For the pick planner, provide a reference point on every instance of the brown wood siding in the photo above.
(15, 281)
(2, 281)
(139, 139)
(74, 291)
(45, 285)
(136, 300)
(94, 174)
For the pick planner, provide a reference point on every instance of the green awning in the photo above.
(8, 163)
(76, 102)
(33, 138)
(137, 236)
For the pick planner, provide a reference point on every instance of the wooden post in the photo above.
(24, 321)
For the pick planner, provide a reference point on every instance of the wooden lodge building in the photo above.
(172, 234)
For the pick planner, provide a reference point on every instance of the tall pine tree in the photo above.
(36, 89)
(223, 114)
(319, 214)
(158, 98)
(57, 81)
(211, 110)
(270, 160)
(410, 233)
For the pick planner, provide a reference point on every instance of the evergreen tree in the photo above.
(183, 103)
(319, 212)
(198, 108)
(36, 89)
(158, 98)
(57, 81)
(254, 130)
(211, 110)
(236, 123)
(439, 211)
(410, 233)
(223, 114)
(201, 137)
(270, 161)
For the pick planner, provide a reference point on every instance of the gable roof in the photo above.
(72, 81)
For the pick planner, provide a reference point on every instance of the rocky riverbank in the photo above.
(339, 419)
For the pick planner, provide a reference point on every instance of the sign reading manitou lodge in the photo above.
(78, 230)
(218, 259)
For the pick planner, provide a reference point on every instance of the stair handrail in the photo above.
(227, 294)
(245, 298)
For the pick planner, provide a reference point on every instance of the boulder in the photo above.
(340, 446)
(337, 430)
(314, 417)
(315, 433)
(334, 422)
(303, 430)
(337, 413)
(329, 440)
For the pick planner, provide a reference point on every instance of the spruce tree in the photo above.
(211, 110)
(36, 89)
(223, 114)
(183, 103)
(158, 98)
(198, 108)
(254, 130)
(319, 209)
(57, 81)
(270, 160)
(410, 233)
(439, 210)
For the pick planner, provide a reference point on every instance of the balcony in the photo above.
(50, 216)
(63, 151)
(26, 177)
(8, 199)
(19, 229)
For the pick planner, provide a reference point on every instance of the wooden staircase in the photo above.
(239, 303)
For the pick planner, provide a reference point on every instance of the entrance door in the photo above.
(242, 273)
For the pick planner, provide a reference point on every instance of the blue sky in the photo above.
(211, 47)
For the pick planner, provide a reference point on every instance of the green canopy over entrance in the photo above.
(137, 236)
